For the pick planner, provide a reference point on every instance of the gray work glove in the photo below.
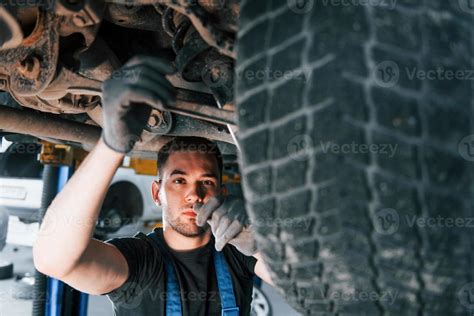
(244, 242)
(229, 223)
(127, 96)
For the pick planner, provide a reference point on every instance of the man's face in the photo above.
(188, 177)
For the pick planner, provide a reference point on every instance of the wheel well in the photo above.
(126, 196)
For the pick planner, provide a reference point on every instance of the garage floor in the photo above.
(14, 300)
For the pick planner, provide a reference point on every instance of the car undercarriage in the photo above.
(54, 56)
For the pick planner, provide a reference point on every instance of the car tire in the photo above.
(341, 230)
(260, 303)
(111, 220)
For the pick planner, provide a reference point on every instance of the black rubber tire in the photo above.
(261, 305)
(335, 224)
(6, 270)
(110, 220)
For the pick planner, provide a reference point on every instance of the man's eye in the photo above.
(178, 181)
(208, 182)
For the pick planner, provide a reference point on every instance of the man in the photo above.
(140, 273)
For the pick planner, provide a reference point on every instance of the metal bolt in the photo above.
(152, 121)
(155, 120)
(30, 67)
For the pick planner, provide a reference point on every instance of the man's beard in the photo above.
(186, 227)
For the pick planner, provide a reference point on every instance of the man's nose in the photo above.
(195, 194)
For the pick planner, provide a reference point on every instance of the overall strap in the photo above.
(224, 282)
(173, 297)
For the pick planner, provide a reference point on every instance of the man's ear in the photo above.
(155, 191)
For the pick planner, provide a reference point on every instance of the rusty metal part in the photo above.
(225, 12)
(202, 108)
(3, 84)
(50, 126)
(218, 74)
(32, 65)
(79, 91)
(196, 60)
(186, 126)
(203, 112)
(83, 13)
(136, 17)
(180, 34)
(80, 17)
(188, 62)
(11, 34)
(47, 125)
(167, 20)
(223, 41)
(69, 104)
(222, 38)
(195, 105)
(160, 122)
(96, 115)
(69, 93)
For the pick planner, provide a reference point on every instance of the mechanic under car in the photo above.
(203, 260)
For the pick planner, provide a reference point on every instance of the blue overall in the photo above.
(224, 282)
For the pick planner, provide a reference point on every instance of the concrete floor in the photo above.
(18, 250)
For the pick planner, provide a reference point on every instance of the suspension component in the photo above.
(196, 60)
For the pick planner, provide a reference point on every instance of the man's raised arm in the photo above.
(64, 240)
(65, 248)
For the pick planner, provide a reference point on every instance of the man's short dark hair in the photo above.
(192, 144)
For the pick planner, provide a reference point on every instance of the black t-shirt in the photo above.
(144, 292)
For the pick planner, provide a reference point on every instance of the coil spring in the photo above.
(177, 33)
